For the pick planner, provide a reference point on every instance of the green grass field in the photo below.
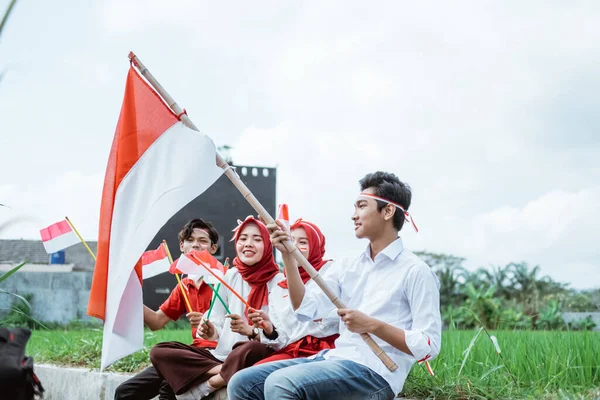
(560, 365)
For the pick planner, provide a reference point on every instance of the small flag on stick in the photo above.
(155, 262)
(58, 237)
(284, 215)
(198, 263)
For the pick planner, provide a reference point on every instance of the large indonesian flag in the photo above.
(156, 166)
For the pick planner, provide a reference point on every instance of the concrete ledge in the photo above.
(77, 383)
(63, 383)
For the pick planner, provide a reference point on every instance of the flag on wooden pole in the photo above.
(58, 237)
(150, 141)
(195, 263)
(284, 214)
(155, 262)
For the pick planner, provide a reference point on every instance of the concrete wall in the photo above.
(61, 383)
(57, 296)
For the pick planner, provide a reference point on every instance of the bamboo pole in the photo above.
(180, 284)
(80, 238)
(6, 15)
(262, 212)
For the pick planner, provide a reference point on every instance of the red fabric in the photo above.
(305, 347)
(259, 274)
(144, 117)
(154, 255)
(55, 230)
(316, 249)
(174, 307)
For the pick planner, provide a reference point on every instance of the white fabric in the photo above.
(188, 266)
(289, 328)
(174, 170)
(155, 268)
(227, 338)
(397, 288)
(60, 242)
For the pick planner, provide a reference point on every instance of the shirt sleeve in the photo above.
(422, 292)
(277, 307)
(315, 303)
(174, 306)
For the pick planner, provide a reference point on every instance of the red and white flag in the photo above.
(155, 262)
(196, 263)
(58, 236)
(156, 166)
(284, 215)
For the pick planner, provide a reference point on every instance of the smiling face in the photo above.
(369, 222)
(250, 245)
(198, 240)
(300, 239)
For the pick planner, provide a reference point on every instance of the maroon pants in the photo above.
(184, 366)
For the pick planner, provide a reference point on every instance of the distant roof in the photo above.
(15, 251)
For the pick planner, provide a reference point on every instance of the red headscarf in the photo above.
(259, 274)
(316, 248)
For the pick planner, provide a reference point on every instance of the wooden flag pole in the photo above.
(262, 212)
(180, 284)
(80, 238)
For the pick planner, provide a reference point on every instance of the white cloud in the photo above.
(34, 207)
(486, 109)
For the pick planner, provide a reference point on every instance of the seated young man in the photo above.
(195, 235)
(390, 293)
(193, 372)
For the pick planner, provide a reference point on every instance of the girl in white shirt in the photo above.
(297, 338)
(254, 275)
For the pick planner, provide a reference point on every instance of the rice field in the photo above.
(532, 364)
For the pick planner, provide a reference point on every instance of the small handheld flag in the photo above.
(198, 263)
(155, 262)
(58, 237)
(284, 215)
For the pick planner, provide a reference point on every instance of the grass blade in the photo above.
(468, 351)
(12, 271)
(496, 368)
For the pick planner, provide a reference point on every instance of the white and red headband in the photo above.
(406, 213)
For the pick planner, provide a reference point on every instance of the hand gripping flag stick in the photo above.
(262, 212)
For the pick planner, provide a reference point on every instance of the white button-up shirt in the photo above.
(397, 288)
(289, 328)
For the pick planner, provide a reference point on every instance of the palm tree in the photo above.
(532, 290)
(451, 274)
(499, 277)
(484, 304)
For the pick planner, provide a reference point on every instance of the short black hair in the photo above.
(199, 223)
(388, 186)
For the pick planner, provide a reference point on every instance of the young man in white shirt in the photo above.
(390, 294)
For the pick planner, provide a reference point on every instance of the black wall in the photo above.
(222, 204)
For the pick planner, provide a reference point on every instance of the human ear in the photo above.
(389, 211)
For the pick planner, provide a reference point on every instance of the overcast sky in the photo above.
(489, 110)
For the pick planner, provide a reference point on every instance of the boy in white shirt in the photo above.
(390, 293)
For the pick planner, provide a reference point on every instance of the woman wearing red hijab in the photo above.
(196, 372)
(289, 337)
(298, 338)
